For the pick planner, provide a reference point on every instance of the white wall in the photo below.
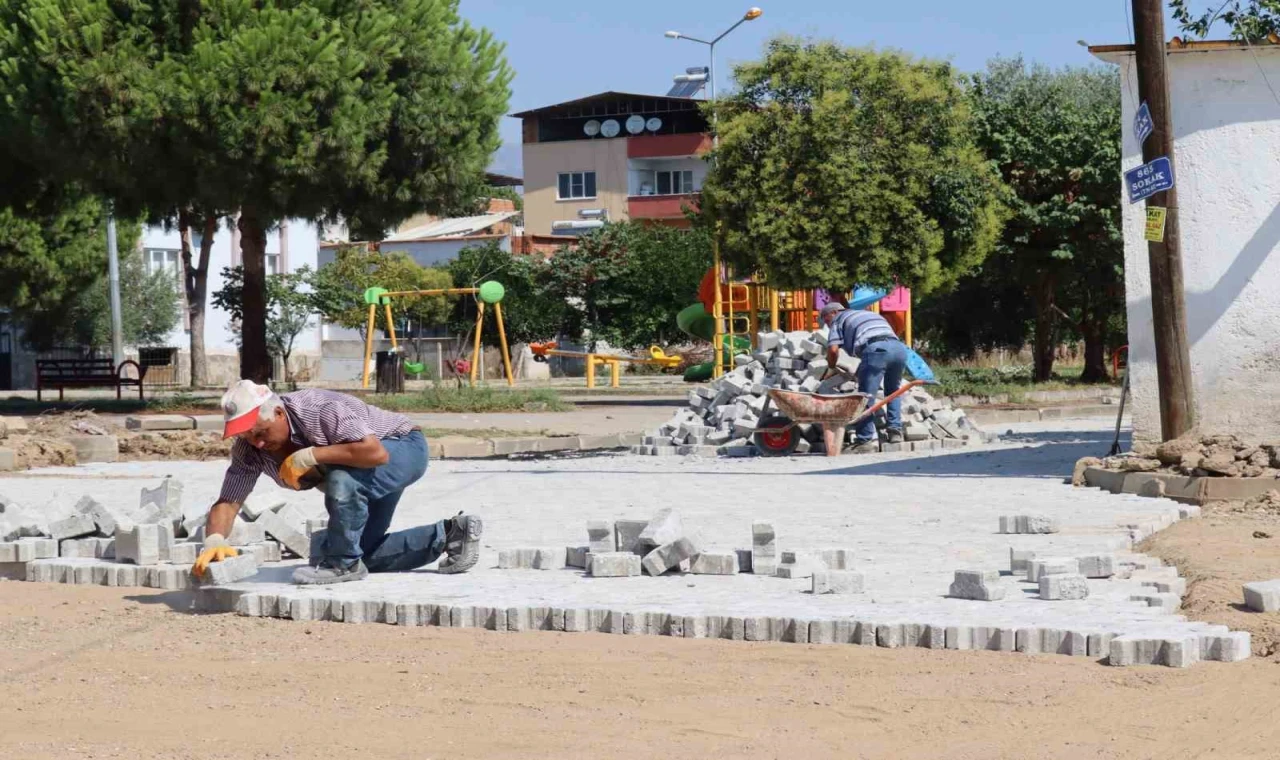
(1227, 126)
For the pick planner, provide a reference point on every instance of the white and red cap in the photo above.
(240, 406)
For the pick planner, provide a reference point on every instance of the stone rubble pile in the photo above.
(153, 544)
(1216, 456)
(722, 417)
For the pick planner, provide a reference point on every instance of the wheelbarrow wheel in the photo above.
(776, 437)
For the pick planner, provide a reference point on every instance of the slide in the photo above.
(695, 321)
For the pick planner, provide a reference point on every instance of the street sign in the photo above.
(1149, 179)
(1155, 224)
(1142, 125)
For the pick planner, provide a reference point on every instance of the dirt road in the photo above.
(97, 672)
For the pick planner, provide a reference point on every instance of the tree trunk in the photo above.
(195, 283)
(255, 361)
(1044, 341)
(1094, 330)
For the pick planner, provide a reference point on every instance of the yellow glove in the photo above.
(215, 553)
(296, 467)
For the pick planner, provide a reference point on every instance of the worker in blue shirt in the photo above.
(881, 359)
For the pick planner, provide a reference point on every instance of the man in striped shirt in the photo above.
(881, 360)
(361, 457)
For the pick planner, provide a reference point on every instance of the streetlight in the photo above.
(751, 15)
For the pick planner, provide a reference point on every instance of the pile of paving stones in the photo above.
(152, 545)
(1216, 456)
(722, 417)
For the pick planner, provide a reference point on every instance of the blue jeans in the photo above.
(881, 362)
(361, 503)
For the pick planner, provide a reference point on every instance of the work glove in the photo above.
(215, 550)
(298, 469)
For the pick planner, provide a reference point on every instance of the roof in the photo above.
(503, 180)
(451, 228)
(1179, 45)
(599, 96)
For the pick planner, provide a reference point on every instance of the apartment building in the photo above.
(611, 157)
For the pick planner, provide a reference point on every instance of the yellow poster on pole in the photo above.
(1155, 224)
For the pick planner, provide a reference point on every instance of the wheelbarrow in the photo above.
(778, 434)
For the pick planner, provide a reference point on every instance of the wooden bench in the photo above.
(85, 373)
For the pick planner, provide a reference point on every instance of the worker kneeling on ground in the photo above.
(361, 457)
(881, 360)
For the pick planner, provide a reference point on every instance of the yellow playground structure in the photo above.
(657, 357)
(488, 293)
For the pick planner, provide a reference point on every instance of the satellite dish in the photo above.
(610, 128)
(635, 124)
(653, 124)
(591, 128)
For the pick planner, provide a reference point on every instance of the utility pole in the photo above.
(1168, 307)
(113, 282)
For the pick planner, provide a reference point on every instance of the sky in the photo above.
(563, 50)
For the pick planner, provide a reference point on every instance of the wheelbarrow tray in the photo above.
(840, 408)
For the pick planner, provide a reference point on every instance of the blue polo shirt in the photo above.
(852, 329)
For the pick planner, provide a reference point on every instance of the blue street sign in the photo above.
(1149, 179)
(1142, 125)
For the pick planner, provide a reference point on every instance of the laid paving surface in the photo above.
(912, 522)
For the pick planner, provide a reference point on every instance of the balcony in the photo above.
(660, 207)
(665, 146)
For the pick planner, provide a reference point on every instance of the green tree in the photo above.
(149, 304)
(339, 288)
(1055, 137)
(625, 282)
(291, 307)
(1252, 20)
(838, 166)
(369, 112)
(529, 311)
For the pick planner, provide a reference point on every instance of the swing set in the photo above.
(490, 293)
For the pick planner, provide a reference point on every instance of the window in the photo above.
(577, 185)
(675, 182)
(273, 263)
(162, 259)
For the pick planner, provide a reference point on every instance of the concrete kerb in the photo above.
(1175, 648)
(485, 448)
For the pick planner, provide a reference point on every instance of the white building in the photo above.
(1226, 122)
(290, 246)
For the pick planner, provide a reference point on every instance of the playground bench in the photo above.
(85, 373)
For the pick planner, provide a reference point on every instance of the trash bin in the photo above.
(389, 366)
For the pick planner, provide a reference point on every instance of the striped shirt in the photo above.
(316, 418)
(852, 329)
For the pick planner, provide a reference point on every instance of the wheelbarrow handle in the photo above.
(885, 401)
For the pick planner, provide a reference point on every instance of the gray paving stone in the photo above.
(140, 545)
(663, 528)
(600, 536)
(764, 548)
(576, 556)
(1097, 565)
(105, 516)
(282, 531)
(1056, 587)
(838, 582)
(608, 621)
(799, 564)
(615, 565)
(1233, 646)
(627, 535)
(668, 556)
(979, 585)
(73, 526)
(231, 569)
(259, 502)
(715, 563)
(1262, 596)
(1042, 566)
(1018, 560)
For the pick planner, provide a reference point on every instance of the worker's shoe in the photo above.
(893, 435)
(865, 447)
(461, 543)
(330, 571)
